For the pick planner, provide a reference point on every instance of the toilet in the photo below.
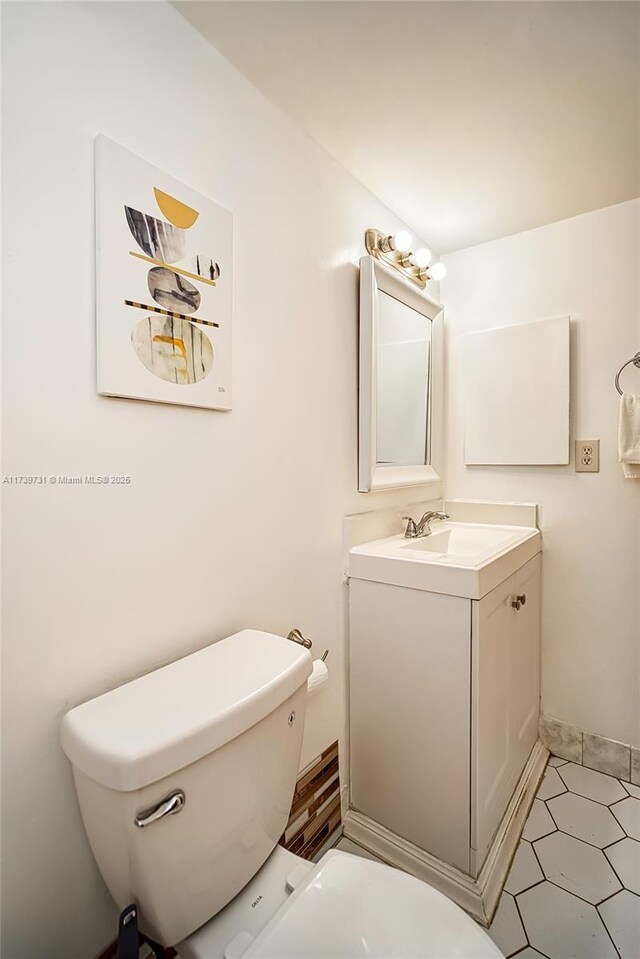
(185, 779)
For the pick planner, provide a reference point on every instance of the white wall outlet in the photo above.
(587, 456)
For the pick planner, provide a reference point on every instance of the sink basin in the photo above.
(461, 559)
(464, 540)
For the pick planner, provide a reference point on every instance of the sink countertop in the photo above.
(460, 559)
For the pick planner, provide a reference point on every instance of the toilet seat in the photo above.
(347, 907)
(350, 907)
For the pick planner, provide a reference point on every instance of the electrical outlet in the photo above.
(587, 456)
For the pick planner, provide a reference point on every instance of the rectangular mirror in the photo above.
(400, 381)
(402, 385)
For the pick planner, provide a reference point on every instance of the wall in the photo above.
(586, 267)
(231, 520)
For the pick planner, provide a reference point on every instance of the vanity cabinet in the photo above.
(444, 701)
(505, 698)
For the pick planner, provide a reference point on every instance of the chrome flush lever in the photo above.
(168, 807)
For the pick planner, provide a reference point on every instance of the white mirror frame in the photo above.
(374, 279)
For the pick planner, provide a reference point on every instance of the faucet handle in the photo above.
(412, 530)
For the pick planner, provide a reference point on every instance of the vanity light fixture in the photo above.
(438, 271)
(395, 251)
(421, 257)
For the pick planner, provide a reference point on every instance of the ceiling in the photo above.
(471, 120)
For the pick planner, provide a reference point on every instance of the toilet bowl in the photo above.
(185, 779)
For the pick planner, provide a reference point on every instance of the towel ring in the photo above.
(636, 362)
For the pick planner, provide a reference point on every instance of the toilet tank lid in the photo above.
(153, 726)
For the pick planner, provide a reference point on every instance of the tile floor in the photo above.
(573, 891)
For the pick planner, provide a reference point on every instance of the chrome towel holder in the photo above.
(636, 362)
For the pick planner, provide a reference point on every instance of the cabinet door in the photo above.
(525, 663)
(410, 665)
(492, 758)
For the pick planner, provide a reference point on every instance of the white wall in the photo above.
(231, 520)
(586, 267)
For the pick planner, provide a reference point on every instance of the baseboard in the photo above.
(609, 756)
(479, 897)
(495, 869)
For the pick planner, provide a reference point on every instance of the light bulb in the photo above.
(438, 271)
(402, 241)
(422, 257)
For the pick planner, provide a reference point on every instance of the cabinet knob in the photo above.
(519, 601)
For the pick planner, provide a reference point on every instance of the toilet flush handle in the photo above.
(168, 807)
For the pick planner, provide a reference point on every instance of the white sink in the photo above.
(461, 559)
(465, 540)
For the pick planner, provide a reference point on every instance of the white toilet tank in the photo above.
(217, 735)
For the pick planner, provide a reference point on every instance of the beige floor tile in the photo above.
(627, 813)
(632, 790)
(591, 784)
(585, 819)
(577, 867)
(621, 915)
(525, 870)
(562, 926)
(557, 761)
(539, 822)
(551, 785)
(506, 929)
(624, 856)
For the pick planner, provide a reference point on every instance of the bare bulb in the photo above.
(402, 241)
(438, 271)
(422, 257)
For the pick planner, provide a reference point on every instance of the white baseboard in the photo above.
(479, 897)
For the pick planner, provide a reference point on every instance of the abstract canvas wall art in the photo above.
(164, 285)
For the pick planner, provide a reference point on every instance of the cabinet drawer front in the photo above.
(410, 714)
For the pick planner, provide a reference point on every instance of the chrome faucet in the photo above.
(423, 527)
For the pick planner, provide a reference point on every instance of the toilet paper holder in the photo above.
(296, 637)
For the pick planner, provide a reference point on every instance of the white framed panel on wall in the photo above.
(516, 394)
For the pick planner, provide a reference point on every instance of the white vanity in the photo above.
(444, 682)
(445, 632)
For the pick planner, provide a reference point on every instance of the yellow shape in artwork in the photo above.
(176, 212)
